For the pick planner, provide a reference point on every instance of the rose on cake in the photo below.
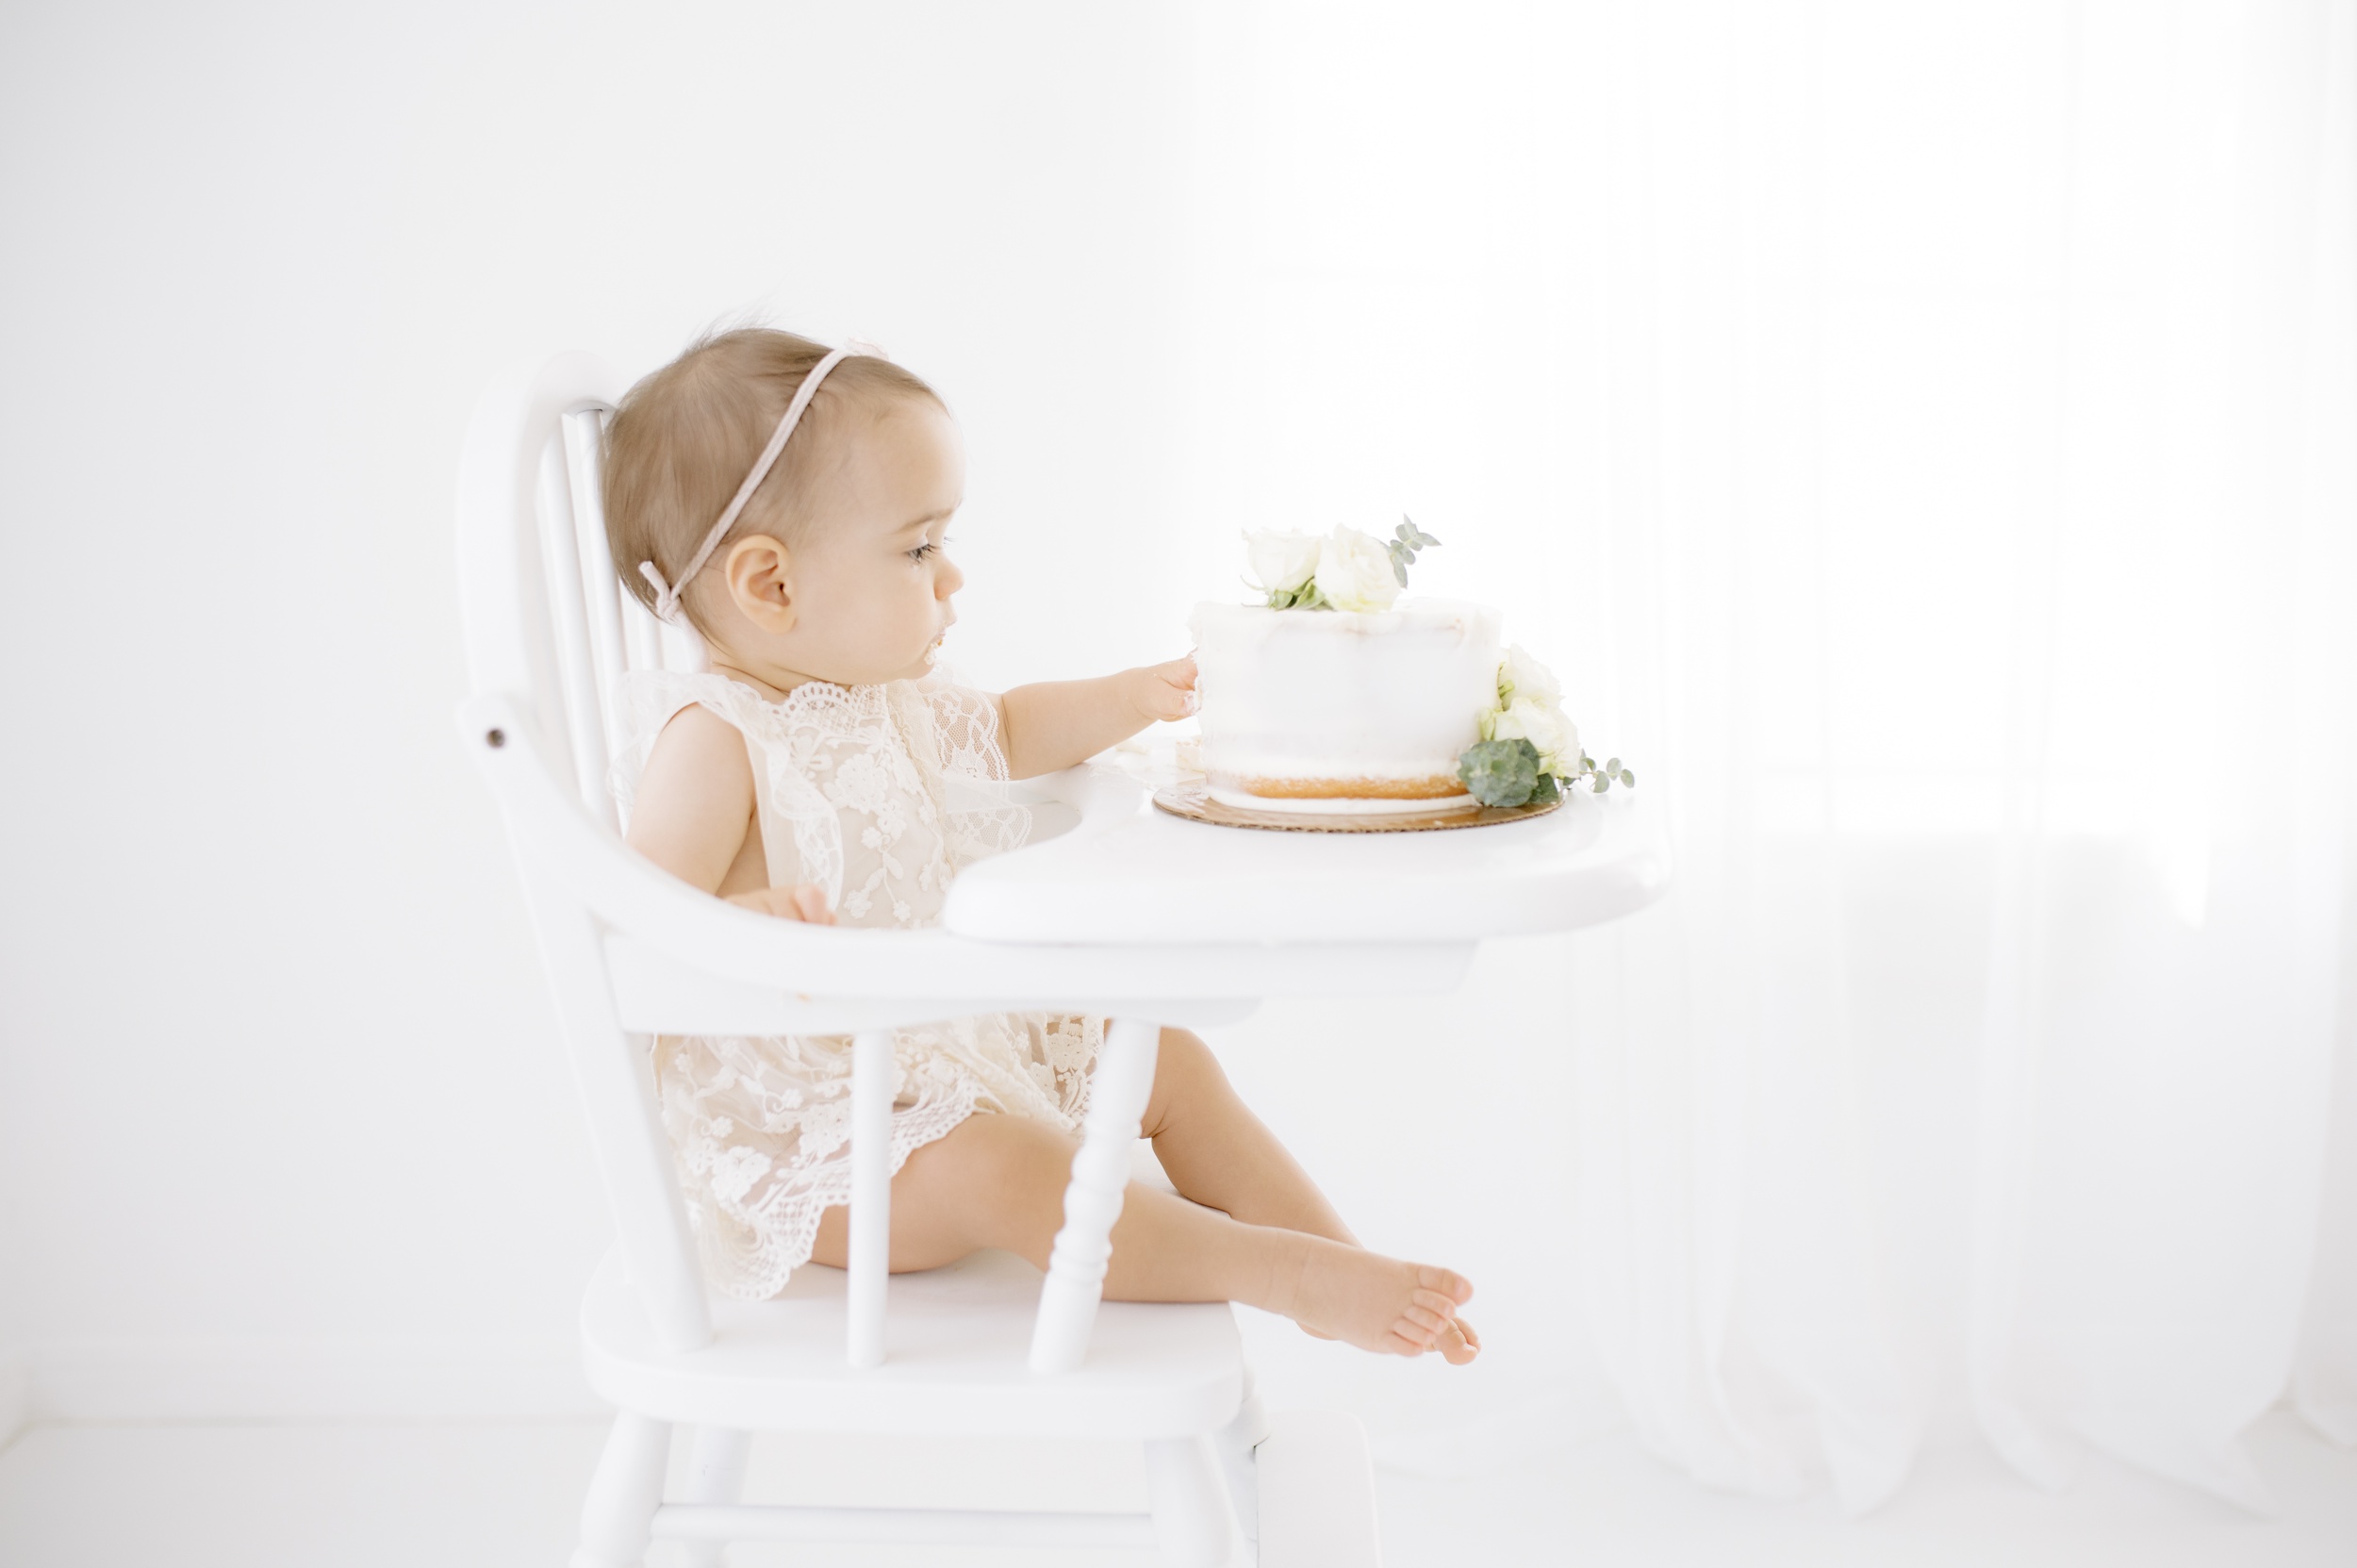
(1355, 572)
(1521, 676)
(1346, 570)
(1283, 563)
(1529, 748)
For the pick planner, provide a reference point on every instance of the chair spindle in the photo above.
(1092, 1200)
(581, 429)
(576, 676)
(872, 1088)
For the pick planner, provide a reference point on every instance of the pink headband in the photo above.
(666, 595)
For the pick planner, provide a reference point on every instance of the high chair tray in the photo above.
(1124, 872)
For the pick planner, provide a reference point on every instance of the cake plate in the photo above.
(1193, 801)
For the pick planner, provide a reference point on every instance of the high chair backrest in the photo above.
(550, 631)
(550, 635)
(587, 632)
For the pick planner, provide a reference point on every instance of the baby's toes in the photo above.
(1457, 1344)
(1447, 1282)
(1423, 1319)
(1406, 1339)
(1440, 1306)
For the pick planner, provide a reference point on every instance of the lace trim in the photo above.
(880, 795)
(760, 1128)
(757, 1215)
(932, 746)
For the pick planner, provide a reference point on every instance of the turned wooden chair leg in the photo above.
(1123, 1082)
(624, 1494)
(1193, 1524)
(716, 1473)
(1235, 1445)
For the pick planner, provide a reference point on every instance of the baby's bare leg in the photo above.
(999, 1181)
(1218, 1152)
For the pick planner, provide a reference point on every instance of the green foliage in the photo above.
(1600, 779)
(1500, 772)
(1406, 540)
(1509, 773)
(1303, 598)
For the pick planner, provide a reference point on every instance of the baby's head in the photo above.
(833, 570)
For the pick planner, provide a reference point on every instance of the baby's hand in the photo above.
(1163, 690)
(804, 901)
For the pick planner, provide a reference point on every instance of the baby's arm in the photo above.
(693, 815)
(1058, 723)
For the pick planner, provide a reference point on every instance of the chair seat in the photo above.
(956, 1339)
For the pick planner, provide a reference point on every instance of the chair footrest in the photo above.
(903, 1525)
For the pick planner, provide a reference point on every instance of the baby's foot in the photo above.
(1374, 1302)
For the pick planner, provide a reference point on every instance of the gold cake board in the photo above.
(1194, 801)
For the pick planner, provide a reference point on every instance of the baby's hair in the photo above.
(682, 440)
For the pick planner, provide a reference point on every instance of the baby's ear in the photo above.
(759, 575)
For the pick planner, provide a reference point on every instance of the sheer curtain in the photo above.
(2169, 949)
(1926, 440)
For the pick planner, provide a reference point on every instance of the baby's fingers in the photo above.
(1162, 691)
(1174, 694)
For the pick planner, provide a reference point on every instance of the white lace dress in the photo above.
(880, 795)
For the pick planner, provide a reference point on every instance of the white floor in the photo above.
(303, 1497)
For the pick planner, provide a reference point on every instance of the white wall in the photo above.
(281, 1118)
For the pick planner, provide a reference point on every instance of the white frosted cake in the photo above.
(1342, 711)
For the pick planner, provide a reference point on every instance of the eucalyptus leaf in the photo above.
(1547, 792)
(1500, 772)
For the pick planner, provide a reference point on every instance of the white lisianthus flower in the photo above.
(1545, 726)
(1282, 561)
(1355, 572)
(1520, 675)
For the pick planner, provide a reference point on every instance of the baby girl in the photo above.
(790, 502)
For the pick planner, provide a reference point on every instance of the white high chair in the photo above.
(1105, 910)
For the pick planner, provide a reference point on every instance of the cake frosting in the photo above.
(1340, 711)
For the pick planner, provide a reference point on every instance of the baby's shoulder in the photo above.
(697, 730)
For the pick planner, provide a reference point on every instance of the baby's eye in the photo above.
(922, 551)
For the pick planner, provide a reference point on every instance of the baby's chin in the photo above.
(924, 662)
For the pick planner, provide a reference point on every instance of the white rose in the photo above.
(1282, 561)
(1521, 675)
(1355, 572)
(1543, 725)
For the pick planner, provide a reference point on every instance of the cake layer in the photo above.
(1326, 710)
(1339, 806)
